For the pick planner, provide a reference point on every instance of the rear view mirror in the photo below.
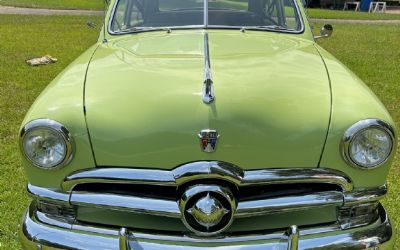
(326, 31)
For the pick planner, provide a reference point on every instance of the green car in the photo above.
(207, 124)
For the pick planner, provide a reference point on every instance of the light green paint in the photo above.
(272, 108)
(153, 109)
(144, 107)
(352, 101)
(62, 101)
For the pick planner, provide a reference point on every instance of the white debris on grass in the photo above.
(41, 60)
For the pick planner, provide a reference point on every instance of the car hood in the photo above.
(144, 106)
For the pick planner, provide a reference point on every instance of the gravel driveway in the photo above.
(47, 12)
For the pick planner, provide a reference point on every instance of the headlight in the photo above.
(46, 144)
(368, 143)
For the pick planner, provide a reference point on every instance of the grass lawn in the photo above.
(355, 46)
(339, 14)
(56, 4)
(22, 37)
(67, 37)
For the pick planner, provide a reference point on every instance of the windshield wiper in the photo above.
(267, 27)
(273, 27)
(141, 29)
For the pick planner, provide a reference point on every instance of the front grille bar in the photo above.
(288, 204)
(170, 208)
(209, 170)
(127, 203)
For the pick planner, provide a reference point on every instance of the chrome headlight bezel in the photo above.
(56, 127)
(359, 127)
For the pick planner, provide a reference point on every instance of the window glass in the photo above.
(136, 15)
(253, 13)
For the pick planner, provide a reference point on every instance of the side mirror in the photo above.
(326, 31)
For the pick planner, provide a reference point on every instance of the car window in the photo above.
(137, 15)
(253, 13)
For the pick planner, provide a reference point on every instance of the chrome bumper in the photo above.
(39, 231)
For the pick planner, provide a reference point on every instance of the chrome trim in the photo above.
(208, 93)
(351, 216)
(184, 175)
(111, 19)
(55, 220)
(211, 170)
(288, 204)
(293, 238)
(170, 208)
(359, 127)
(161, 236)
(193, 193)
(207, 60)
(176, 177)
(169, 29)
(45, 194)
(363, 195)
(119, 175)
(297, 12)
(64, 210)
(208, 169)
(297, 175)
(55, 126)
(35, 232)
(208, 87)
(126, 203)
(94, 228)
(244, 208)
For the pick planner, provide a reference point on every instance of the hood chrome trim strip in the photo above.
(208, 93)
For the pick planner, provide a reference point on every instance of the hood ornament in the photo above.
(208, 140)
(208, 88)
(208, 92)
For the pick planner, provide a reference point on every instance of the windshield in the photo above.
(143, 15)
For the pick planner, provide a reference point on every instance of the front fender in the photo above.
(62, 101)
(352, 101)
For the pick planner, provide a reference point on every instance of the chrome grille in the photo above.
(157, 191)
(257, 193)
